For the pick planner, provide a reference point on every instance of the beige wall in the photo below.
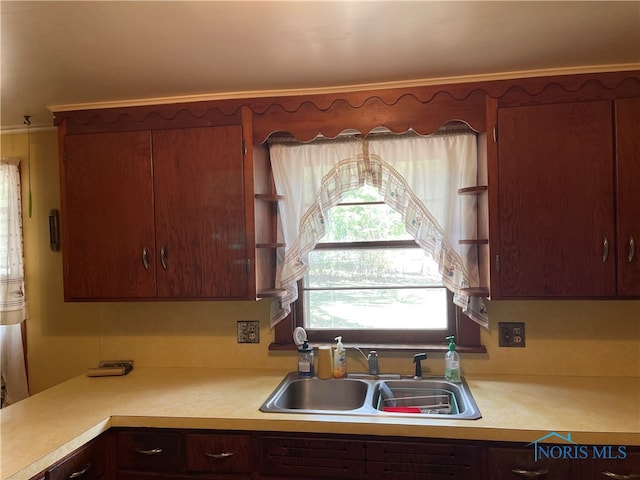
(64, 339)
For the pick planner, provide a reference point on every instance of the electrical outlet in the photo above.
(511, 334)
(248, 331)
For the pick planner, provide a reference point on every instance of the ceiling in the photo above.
(80, 54)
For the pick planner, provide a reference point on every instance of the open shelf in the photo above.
(476, 292)
(477, 241)
(272, 293)
(269, 197)
(477, 190)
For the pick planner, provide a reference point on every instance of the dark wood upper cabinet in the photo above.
(108, 216)
(627, 123)
(155, 214)
(176, 201)
(556, 201)
(200, 212)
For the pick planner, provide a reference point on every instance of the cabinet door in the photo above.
(628, 176)
(311, 457)
(622, 463)
(422, 461)
(108, 216)
(556, 201)
(200, 212)
(148, 452)
(220, 453)
(515, 463)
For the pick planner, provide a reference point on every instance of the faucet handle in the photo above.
(417, 359)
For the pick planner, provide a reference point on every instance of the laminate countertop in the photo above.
(45, 427)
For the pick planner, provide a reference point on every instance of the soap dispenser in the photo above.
(339, 360)
(305, 360)
(452, 363)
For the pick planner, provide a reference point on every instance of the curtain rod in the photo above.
(380, 132)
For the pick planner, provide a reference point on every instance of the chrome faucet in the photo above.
(372, 360)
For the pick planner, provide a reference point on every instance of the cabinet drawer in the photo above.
(87, 463)
(515, 463)
(619, 464)
(219, 453)
(149, 451)
(302, 457)
(422, 461)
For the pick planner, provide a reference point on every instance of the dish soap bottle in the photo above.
(452, 363)
(305, 360)
(339, 360)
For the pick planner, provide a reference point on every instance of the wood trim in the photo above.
(422, 107)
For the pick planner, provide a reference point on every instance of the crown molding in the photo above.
(344, 88)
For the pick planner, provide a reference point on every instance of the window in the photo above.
(368, 271)
(351, 265)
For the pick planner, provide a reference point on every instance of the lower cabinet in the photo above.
(318, 457)
(580, 462)
(89, 462)
(176, 454)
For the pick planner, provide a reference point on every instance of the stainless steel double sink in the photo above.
(362, 394)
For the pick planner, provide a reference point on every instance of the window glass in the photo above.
(369, 274)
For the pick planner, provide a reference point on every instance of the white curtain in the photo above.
(417, 176)
(13, 305)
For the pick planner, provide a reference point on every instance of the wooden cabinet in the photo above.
(585, 462)
(620, 465)
(89, 462)
(318, 457)
(342, 456)
(423, 460)
(559, 200)
(519, 462)
(214, 453)
(627, 124)
(162, 453)
(155, 214)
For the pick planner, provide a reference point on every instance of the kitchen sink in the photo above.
(316, 394)
(378, 395)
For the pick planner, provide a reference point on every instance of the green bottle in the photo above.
(452, 363)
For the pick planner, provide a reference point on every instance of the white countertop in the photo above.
(42, 429)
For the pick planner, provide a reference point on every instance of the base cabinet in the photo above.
(163, 454)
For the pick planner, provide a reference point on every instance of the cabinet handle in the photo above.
(619, 476)
(81, 472)
(163, 257)
(219, 456)
(605, 248)
(632, 249)
(530, 473)
(153, 451)
(145, 258)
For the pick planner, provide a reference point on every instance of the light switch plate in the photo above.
(248, 331)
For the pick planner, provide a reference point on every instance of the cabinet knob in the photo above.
(80, 473)
(152, 451)
(605, 248)
(530, 473)
(619, 476)
(145, 258)
(219, 456)
(632, 249)
(163, 257)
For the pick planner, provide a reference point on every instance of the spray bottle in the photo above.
(452, 363)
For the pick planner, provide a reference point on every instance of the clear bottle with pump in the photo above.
(305, 360)
(339, 360)
(452, 363)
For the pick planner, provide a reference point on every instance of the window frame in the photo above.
(466, 331)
